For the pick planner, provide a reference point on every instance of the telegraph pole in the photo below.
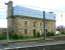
(7, 35)
(44, 19)
(9, 14)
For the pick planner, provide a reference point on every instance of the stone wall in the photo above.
(21, 26)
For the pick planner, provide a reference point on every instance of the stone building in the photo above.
(3, 30)
(27, 25)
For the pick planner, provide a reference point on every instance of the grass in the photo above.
(21, 37)
(2, 37)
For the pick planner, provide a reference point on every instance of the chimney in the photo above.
(10, 9)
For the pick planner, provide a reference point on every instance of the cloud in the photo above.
(3, 23)
(48, 4)
(56, 5)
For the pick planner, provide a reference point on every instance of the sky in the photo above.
(58, 6)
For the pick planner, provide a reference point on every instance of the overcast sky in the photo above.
(58, 6)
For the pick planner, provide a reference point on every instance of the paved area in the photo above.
(4, 45)
(29, 44)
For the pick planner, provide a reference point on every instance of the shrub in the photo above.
(38, 34)
(50, 34)
(62, 32)
(2, 36)
(20, 36)
(34, 35)
(13, 36)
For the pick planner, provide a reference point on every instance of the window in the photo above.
(40, 24)
(25, 31)
(34, 32)
(25, 23)
(34, 24)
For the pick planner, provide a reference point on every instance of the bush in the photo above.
(38, 34)
(50, 34)
(63, 33)
(20, 36)
(34, 35)
(2, 37)
(13, 36)
(17, 37)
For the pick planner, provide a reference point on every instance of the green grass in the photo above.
(21, 37)
(2, 37)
